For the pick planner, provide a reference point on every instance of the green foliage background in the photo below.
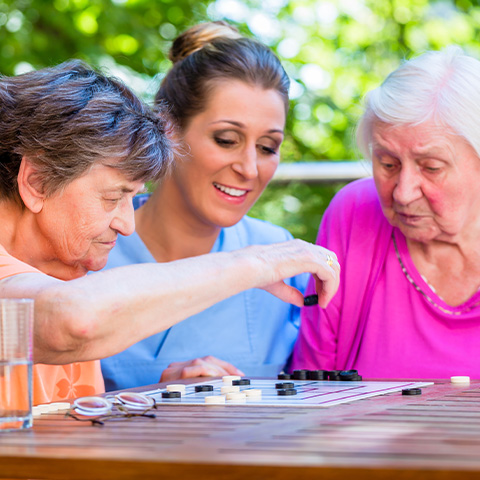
(334, 51)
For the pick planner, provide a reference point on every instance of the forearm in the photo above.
(104, 313)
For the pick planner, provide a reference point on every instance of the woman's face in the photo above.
(232, 153)
(427, 180)
(81, 222)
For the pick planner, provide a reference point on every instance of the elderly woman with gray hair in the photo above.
(408, 239)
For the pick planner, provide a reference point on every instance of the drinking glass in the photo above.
(16, 324)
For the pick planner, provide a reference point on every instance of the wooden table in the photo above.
(432, 436)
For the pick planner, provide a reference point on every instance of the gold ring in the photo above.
(329, 260)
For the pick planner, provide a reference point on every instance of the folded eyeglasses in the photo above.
(120, 406)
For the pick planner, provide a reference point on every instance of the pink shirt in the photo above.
(379, 323)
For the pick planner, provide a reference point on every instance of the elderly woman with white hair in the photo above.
(408, 239)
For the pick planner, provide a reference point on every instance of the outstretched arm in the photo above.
(102, 314)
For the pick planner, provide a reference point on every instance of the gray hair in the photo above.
(69, 117)
(443, 86)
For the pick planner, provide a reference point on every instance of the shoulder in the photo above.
(254, 231)
(10, 265)
(354, 218)
(358, 193)
(140, 199)
(356, 203)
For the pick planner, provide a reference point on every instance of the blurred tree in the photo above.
(334, 51)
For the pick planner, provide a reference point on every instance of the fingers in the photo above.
(203, 371)
(189, 371)
(228, 367)
(326, 287)
(287, 293)
(208, 366)
(325, 290)
(295, 257)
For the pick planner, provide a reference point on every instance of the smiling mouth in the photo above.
(233, 192)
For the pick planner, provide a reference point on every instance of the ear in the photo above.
(30, 186)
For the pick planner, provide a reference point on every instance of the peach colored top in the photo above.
(52, 383)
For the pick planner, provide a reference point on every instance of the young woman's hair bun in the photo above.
(198, 36)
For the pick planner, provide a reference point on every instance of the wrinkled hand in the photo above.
(199, 367)
(287, 259)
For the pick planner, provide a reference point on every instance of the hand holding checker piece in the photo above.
(311, 300)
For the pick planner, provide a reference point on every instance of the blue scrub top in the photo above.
(253, 330)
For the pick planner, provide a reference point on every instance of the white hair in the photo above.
(443, 86)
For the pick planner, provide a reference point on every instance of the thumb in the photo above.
(285, 292)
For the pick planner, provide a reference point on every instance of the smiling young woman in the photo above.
(228, 96)
(232, 151)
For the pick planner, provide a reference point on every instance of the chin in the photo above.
(418, 235)
(228, 222)
(94, 265)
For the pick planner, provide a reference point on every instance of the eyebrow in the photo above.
(123, 189)
(241, 125)
(434, 150)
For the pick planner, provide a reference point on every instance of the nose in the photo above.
(246, 163)
(124, 220)
(409, 186)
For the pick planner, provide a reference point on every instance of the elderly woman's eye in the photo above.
(386, 162)
(388, 165)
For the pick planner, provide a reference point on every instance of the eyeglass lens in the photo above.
(92, 406)
(89, 406)
(136, 401)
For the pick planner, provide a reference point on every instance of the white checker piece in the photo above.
(310, 393)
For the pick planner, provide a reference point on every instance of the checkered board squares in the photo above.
(309, 393)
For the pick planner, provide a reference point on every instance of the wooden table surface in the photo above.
(432, 436)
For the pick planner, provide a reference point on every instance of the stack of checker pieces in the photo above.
(287, 388)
